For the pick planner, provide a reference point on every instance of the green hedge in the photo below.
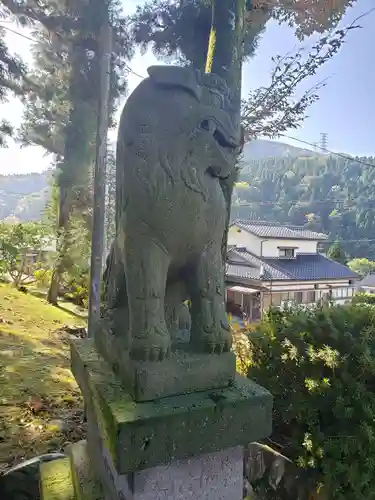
(364, 298)
(320, 367)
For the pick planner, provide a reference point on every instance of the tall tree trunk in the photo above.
(97, 241)
(224, 57)
(77, 157)
(62, 244)
(66, 182)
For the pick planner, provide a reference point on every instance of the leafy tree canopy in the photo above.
(336, 253)
(362, 266)
(179, 30)
(21, 247)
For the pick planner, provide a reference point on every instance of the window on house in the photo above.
(310, 297)
(275, 299)
(298, 297)
(286, 252)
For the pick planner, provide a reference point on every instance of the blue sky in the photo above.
(345, 111)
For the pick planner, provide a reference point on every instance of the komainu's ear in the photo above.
(176, 76)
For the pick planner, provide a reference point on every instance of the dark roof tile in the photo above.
(265, 229)
(368, 280)
(311, 267)
(303, 267)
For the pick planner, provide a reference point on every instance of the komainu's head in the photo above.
(217, 116)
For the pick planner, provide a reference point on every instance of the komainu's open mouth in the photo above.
(211, 127)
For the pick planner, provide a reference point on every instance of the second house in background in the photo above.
(273, 265)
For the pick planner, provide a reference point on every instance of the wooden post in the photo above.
(97, 242)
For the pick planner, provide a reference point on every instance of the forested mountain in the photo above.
(262, 148)
(332, 194)
(23, 197)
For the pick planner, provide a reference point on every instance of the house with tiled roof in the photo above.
(270, 264)
(367, 285)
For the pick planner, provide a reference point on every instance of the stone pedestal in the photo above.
(180, 447)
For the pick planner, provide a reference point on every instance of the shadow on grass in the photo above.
(36, 386)
(62, 305)
(75, 314)
(40, 294)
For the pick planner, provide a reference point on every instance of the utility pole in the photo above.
(97, 241)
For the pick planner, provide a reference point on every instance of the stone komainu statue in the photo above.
(177, 140)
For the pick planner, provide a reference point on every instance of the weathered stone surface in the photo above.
(212, 477)
(56, 481)
(178, 139)
(183, 372)
(144, 435)
(86, 484)
(269, 474)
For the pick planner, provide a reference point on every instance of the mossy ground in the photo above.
(36, 384)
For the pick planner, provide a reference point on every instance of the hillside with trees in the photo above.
(24, 197)
(332, 194)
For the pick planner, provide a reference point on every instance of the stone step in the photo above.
(70, 478)
(56, 480)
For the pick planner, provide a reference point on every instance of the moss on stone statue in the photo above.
(56, 482)
(86, 484)
(143, 435)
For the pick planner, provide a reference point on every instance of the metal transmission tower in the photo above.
(324, 141)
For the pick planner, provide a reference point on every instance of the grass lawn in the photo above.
(37, 389)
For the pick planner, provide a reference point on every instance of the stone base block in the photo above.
(184, 372)
(212, 476)
(140, 436)
(218, 476)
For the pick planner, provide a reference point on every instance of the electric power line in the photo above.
(127, 67)
(340, 155)
(337, 240)
(314, 145)
(18, 33)
(304, 202)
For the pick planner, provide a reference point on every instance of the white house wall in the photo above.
(241, 238)
(263, 247)
(271, 246)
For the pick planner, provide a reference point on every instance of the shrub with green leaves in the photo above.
(22, 247)
(364, 298)
(320, 367)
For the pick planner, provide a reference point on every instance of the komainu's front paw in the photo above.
(153, 345)
(218, 341)
(215, 340)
